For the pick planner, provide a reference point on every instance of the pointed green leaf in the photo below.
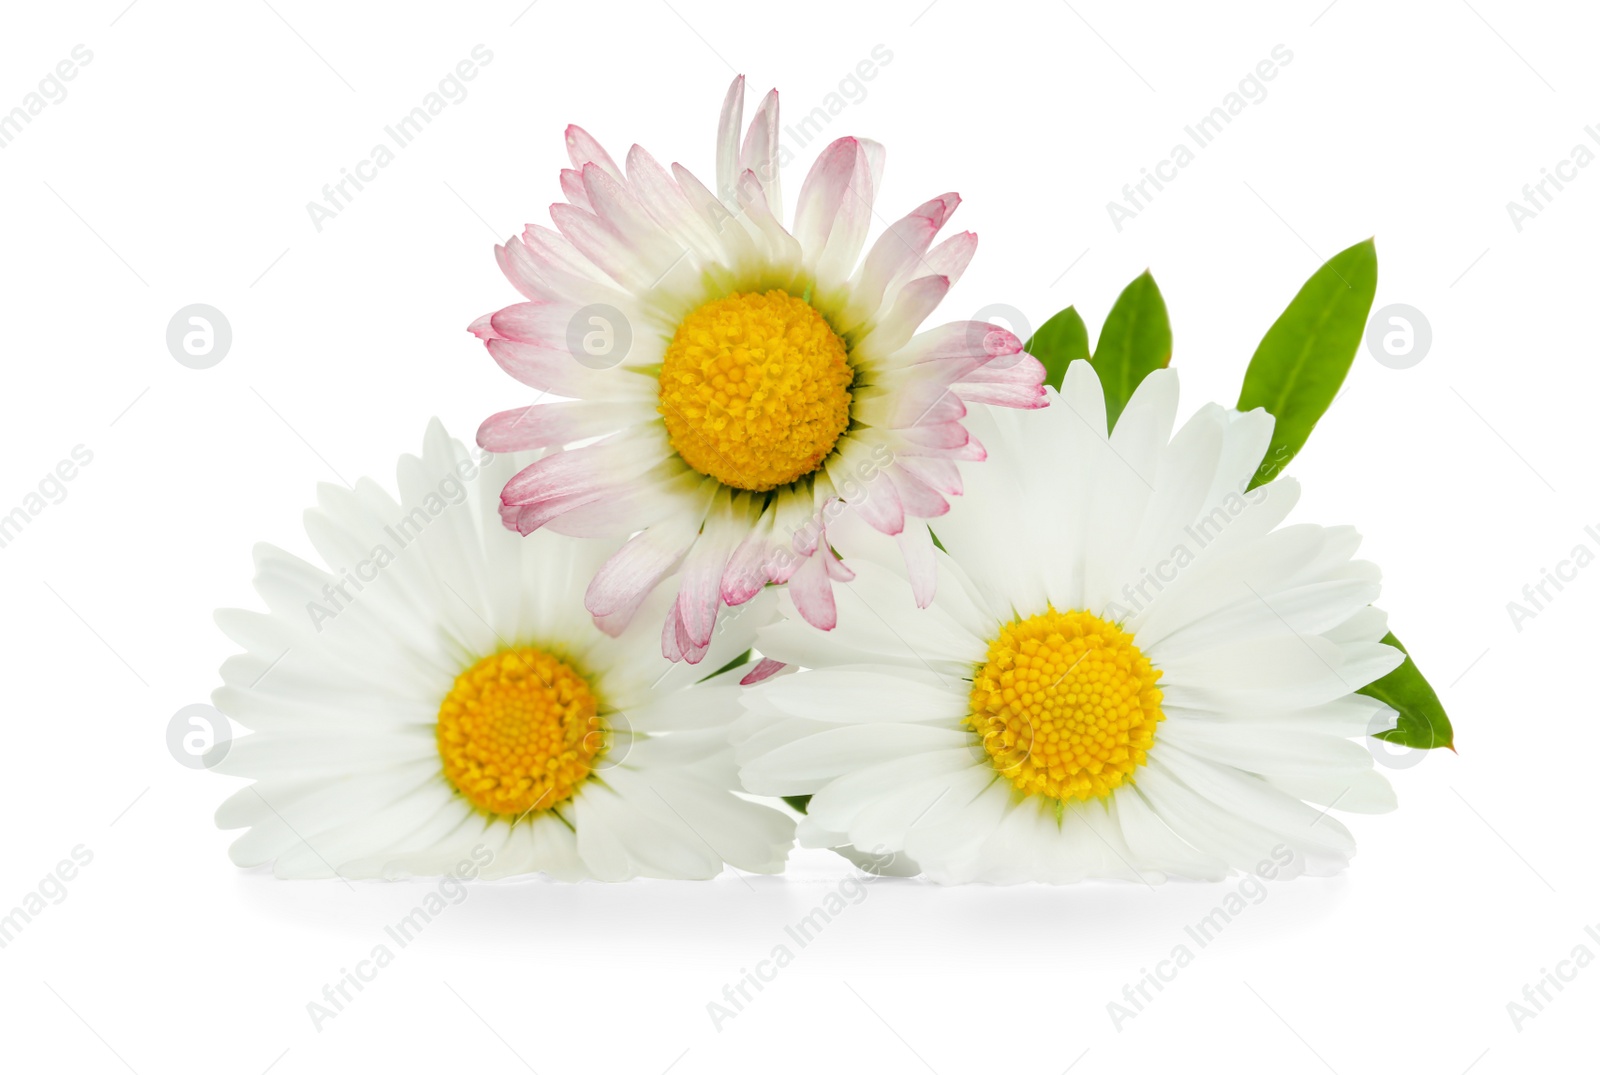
(743, 658)
(1302, 360)
(1422, 723)
(1135, 341)
(1062, 339)
(800, 802)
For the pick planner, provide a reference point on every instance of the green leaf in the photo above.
(799, 802)
(1062, 339)
(743, 658)
(1423, 723)
(1136, 340)
(1302, 360)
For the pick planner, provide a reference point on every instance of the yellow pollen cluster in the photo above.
(1066, 706)
(755, 389)
(518, 731)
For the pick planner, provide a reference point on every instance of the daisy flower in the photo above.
(438, 687)
(732, 385)
(1131, 669)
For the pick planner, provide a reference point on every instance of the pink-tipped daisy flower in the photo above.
(730, 385)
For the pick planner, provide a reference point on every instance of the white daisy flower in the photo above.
(1131, 669)
(747, 382)
(439, 687)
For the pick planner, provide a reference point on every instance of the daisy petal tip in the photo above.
(820, 613)
(999, 342)
(496, 432)
(734, 594)
(511, 516)
(765, 669)
(838, 153)
(610, 626)
(676, 645)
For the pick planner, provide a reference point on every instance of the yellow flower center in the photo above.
(755, 390)
(1066, 706)
(518, 732)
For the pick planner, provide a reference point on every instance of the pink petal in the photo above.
(621, 211)
(617, 623)
(902, 246)
(972, 451)
(549, 368)
(700, 588)
(519, 267)
(942, 435)
(761, 150)
(855, 219)
(632, 504)
(916, 546)
(554, 254)
(540, 425)
(783, 247)
(750, 567)
(1011, 381)
(911, 307)
(813, 593)
(728, 137)
(534, 322)
(635, 569)
(968, 344)
(592, 467)
(620, 258)
(545, 267)
(572, 187)
(526, 518)
(718, 217)
(879, 505)
(583, 149)
(999, 395)
(676, 645)
(664, 200)
(939, 474)
(834, 210)
(483, 327)
(951, 257)
(765, 668)
(920, 501)
(927, 400)
(1019, 368)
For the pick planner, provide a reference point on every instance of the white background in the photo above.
(177, 170)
